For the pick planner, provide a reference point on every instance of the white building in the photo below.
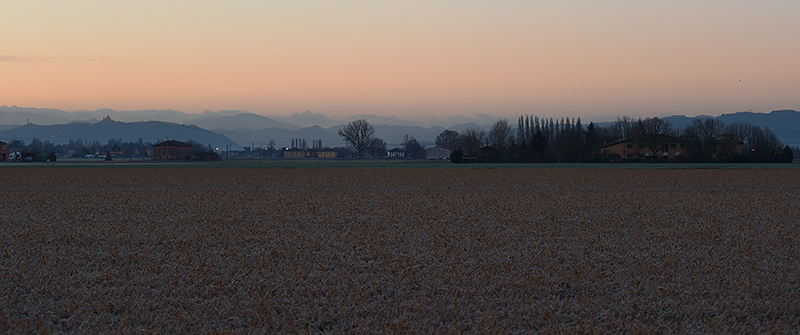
(397, 153)
(438, 152)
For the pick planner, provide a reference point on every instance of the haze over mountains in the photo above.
(148, 131)
(240, 128)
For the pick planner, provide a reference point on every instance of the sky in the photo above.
(409, 59)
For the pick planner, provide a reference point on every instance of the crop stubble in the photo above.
(361, 250)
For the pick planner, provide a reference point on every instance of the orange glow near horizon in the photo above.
(415, 59)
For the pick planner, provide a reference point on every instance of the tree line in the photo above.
(538, 140)
(566, 139)
(534, 139)
(80, 148)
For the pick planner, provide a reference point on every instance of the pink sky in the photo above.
(411, 59)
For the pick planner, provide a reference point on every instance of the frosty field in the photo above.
(177, 250)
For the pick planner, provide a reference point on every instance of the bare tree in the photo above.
(500, 134)
(704, 137)
(654, 132)
(755, 140)
(623, 127)
(197, 147)
(36, 146)
(377, 147)
(412, 147)
(771, 142)
(271, 145)
(500, 139)
(447, 138)
(761, 142)
(359, 134)
(472, 139)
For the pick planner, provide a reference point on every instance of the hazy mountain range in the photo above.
(152, 131)
(13, 115)
(240, 128)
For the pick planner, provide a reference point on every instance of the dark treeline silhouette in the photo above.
(539, 140)
(79, 148)
(533, 140)
(711, 140)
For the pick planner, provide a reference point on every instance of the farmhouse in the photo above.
(172, 150)
(397, 153)
(639, 148)
(326, 153)
(295, 153)
(438, 152)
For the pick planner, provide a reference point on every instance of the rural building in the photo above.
(438, 152)
(637, 148)
(397, 153)
(3, 151)
(326, 153)
(294, 153)
(172, 150)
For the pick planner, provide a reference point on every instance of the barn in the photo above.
(172, 150)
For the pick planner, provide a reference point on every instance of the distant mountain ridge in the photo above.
(148, 131)
(245, 128)
(13, 115)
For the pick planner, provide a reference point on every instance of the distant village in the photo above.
(533, 140)
(174, 150)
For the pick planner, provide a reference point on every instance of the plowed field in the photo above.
(105, 250)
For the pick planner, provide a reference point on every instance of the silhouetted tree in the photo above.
(539, 145)
(457, 156)
(200, 149)
(500, 134)
(703, 137)
(623, 127)
(654, 132)
(447, 138)
(359, 134)
(757, 144)
(377, 148)
(36, 146)
(471, 139)
(412, 147)
(592, 142)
